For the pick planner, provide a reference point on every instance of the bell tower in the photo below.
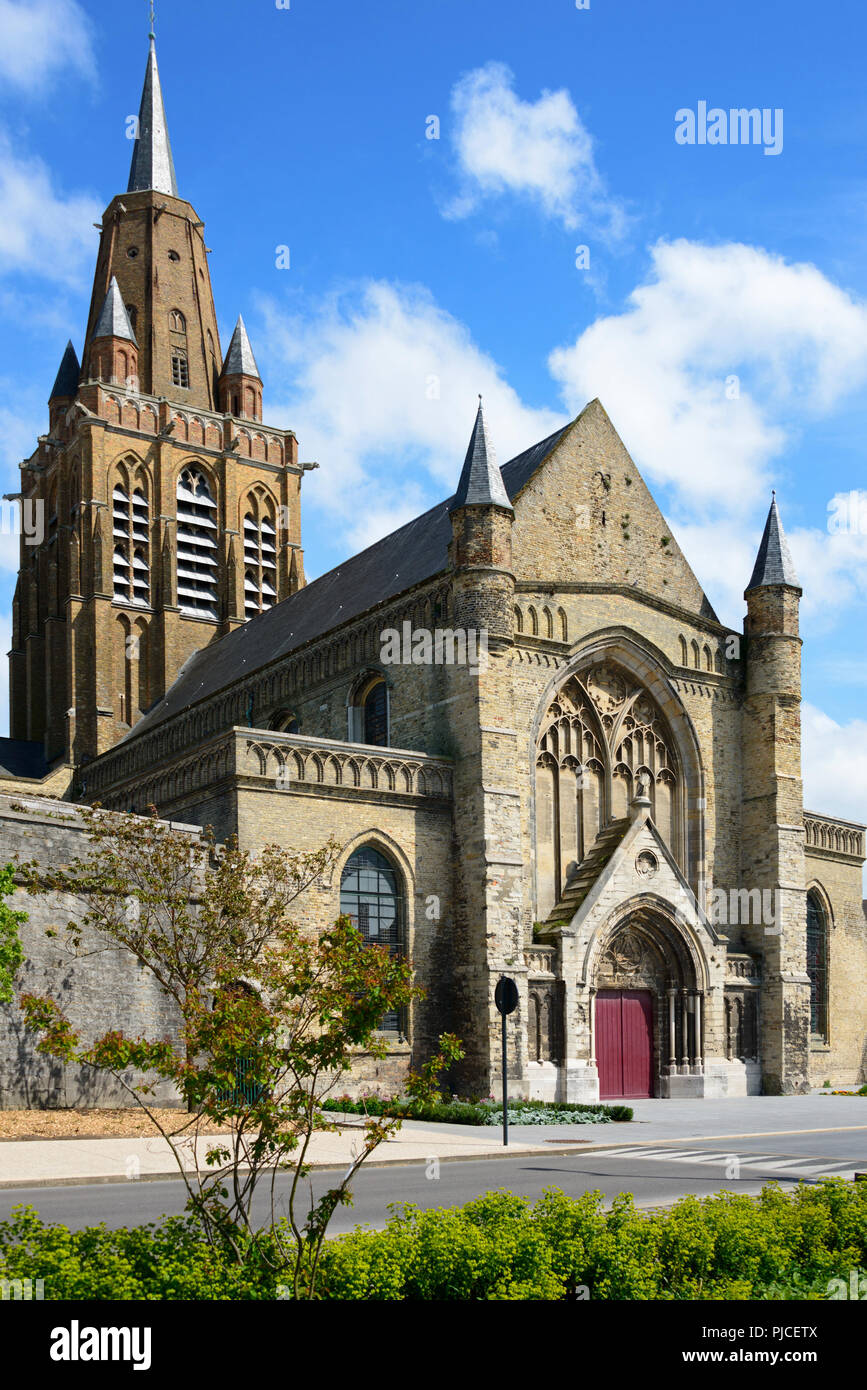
(168, 513)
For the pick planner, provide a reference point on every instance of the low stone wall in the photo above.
(100, 990)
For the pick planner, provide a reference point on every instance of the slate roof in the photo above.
(21, 758)
(774, 563)
(481, 482)
(239, 359)
(66, 381)
(410, 555)
(113, 321)
(152, 165)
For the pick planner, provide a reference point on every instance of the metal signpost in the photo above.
(506, 1000)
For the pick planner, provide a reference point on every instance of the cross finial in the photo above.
(151, 35)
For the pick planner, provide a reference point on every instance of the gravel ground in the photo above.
(92, 1124)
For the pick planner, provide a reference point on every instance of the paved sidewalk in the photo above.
(40, 1162)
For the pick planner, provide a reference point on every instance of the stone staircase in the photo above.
(582, 880)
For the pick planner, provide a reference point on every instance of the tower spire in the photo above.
(774, 564)
(152, 164)
(481, 482)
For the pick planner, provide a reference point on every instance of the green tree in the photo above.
(11, 951)
(212, 926)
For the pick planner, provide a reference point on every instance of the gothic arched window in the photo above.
(817, 965)
(197, 545)
(260, 557)
(600, 737)
(131, 533)
(371, 895)
(368, 711)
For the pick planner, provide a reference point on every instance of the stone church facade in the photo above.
(542, 754)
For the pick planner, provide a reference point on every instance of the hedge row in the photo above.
(776, 1246)
(480, 1112)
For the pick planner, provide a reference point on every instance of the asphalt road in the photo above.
(655, 1173)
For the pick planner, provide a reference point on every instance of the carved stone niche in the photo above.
(545, 1020)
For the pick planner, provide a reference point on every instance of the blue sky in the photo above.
(722, 318)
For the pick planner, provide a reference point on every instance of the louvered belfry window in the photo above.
(260, 561)
(197, 546)
(131, 534)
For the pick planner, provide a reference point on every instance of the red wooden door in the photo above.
(624, 1043)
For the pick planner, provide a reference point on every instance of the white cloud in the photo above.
(834, 764)
(831, 567)
(385, 394)
(539, 151)
(795, 342)
(41, 38)
(42, 232)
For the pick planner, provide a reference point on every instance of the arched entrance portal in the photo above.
(648, 1007)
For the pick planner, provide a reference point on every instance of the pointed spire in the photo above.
(239, 359)
(481, 483)
(113, 321)
(774, 564)
(66, 381)
(152, 164)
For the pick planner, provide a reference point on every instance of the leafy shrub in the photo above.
(780, 1245)
(167, 1260)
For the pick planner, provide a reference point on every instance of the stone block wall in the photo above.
(102, 989)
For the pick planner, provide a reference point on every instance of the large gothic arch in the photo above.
(611, 716)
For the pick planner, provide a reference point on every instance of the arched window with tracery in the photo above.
(817, 965)
(197, 545)
(131, 538)
(372, 896)
(601, 733)
(260, 555)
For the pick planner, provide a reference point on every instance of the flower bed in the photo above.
(481, 1112)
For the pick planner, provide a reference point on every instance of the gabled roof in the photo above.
(152, 164)
(409, 556)
(774, 563)
(617, 880)
(113, 321)
(239, 359)
(66, 381)
(481, 483)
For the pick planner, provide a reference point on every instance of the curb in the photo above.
(173, 1175)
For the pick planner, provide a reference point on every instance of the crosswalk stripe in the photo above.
(806, 1165)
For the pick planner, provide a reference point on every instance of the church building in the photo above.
(542, 753)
